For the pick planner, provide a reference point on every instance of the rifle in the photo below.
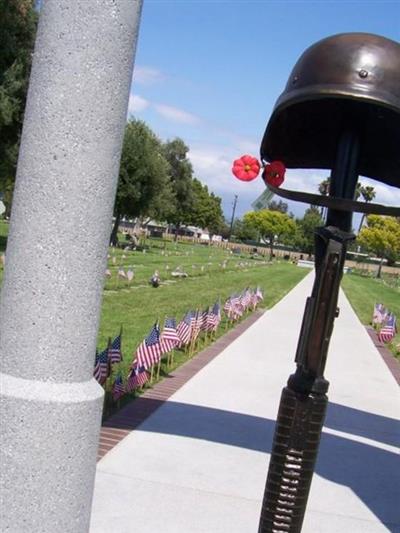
(304, 400)
(341, 112)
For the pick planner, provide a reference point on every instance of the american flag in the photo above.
(185, 327)
(101, 367)
(379, 314)
(228, 306)
(236, 308)
(254, 299)
(169, 336)
(214, 317)
(204, 319)
(137, 378)
(114, 350)
(197, 322)
(149, 351)
(245, 299)
(118, 389)
(388, 330)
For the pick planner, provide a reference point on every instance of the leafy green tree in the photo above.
(381, 237)
(207, 211)
(271, 225)
(181, 173)
(306, 227)
(143, 187)
(18, 20)
(244, 232)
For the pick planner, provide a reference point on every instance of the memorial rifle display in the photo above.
(340, 110)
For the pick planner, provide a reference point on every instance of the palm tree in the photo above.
(323, 189)
(358, 190)
(368, 193)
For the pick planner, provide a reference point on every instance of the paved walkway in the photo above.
(198, 463)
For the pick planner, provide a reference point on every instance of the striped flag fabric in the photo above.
(101, 367)
(149, 351)
(214, 317)
(118, 389)
(228, 306)
(204, 319)
(245, 299)
(197, 321)
(169, 337)
(236, 308)
(137, 377)
(388, 330)
(185, 327)
(114, 350)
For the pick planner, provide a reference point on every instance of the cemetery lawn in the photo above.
(3, 235)
(364, 292)
(213, 273)
(137, 306)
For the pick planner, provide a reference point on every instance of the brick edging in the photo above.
(392, 363)
(118, 426)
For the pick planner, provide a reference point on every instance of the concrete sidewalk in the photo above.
(199, 463)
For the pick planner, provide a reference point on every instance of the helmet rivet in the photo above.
(363, 73)
(295, 79)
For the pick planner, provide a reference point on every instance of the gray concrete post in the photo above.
(56, 256)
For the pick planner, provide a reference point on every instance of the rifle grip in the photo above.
(294, 452)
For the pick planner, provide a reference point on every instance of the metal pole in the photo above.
(56, 256)
(233, 215)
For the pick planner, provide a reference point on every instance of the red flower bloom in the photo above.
(246, 168)
(274, 173)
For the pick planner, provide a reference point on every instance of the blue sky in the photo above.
(210, 72)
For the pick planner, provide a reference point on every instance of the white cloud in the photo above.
(136, 104)
(176, 115)
(147, 75)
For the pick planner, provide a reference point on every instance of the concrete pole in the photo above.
(56, 257)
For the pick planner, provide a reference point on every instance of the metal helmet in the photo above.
(350, 80)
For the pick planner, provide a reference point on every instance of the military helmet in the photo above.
(350, 80)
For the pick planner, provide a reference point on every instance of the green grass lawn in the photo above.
(363, 292)
(137, 305)
(213, 273)
(3, 235)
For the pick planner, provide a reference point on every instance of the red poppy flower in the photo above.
(246, 168)
(274, 173)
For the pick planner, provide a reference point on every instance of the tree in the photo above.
(181, 172)
(323, 189)
(279, 205)
(206, 211)
(18, 20)
(271, 225)
(143, 185)
(368, 193)
(381, 237)
(306, 228)
(243, 231)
